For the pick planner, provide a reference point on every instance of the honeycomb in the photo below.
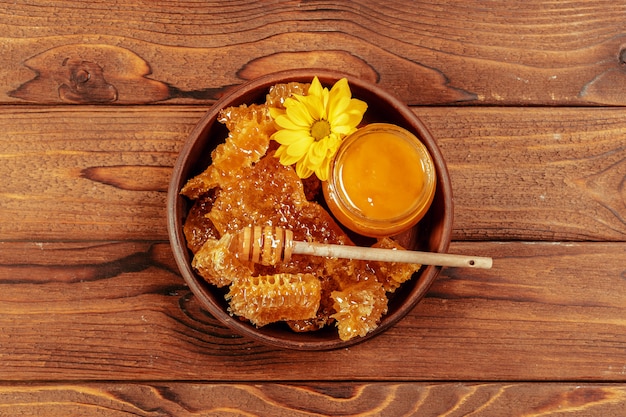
(279, 92)
(250, 128)
(273, 195)
(271, 298)
(198, 229)
(247, 186)
(359, 308)
(392, 274)
(217, 264)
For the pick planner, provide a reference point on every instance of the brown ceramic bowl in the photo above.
(431, 234)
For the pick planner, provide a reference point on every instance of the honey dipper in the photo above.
(271, 245)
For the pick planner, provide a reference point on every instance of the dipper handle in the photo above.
(271, 245)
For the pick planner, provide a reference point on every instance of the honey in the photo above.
(382, 181)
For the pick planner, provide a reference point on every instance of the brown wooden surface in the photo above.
(518, 173)
(314, 399)
(96, 99)
(119, 310)
(528, 52)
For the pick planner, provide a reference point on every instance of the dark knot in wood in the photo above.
(87, 84)
(93, 74)
(82, 76)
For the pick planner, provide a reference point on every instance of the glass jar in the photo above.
(382, 181)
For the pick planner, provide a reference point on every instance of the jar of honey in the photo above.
(382, 181)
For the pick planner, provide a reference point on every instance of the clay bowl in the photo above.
(431, 234)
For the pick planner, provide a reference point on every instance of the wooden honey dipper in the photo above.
(271, 245)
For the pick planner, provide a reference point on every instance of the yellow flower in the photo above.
(311, 127)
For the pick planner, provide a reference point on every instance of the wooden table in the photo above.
(526, 101)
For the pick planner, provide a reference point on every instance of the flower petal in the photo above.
(315, 89)
(299, 113)
(275, 112)
(325, 99)
(332, 143)
(339, 98)
(341, 88)
(351, 118)
(316, 154)
(314, 106)
(286, 122)
(288, 137)
(287, 160)
(357, 107)
(337, 106)
(340, 124)
(322, 172)
(300, 147)
(303, 171)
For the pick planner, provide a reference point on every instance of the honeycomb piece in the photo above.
(359, 308)
(279, 92)
(268, 299)
(393, 274)
(326, 309)
(217, 264)
(250, 128)
(273, 195)
(346, 272)
(198, 228)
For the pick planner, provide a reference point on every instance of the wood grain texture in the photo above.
(307, 400)
(533, 52)
(535, 174)
(97, 99)
(120, 311)
(91, 172)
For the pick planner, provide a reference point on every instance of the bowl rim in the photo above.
(180, 175)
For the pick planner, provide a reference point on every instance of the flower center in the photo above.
(320, 129)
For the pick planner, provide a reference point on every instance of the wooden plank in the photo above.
(535, 174)
(536, 52)
(120, 311)
(99, 175)
(302, 400)
(517, 173)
